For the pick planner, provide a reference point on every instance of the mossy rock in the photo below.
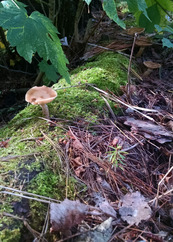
(32, 145)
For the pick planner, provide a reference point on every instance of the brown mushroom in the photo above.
(41, 95)
(151, 66)
(134, 30)
(142, 42)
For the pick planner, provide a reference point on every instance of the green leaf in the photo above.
(109, 7)
(88, 1)
(168, 29)
(49, 70)
(137, 6)
(158, 28)
(167, 43)
(142, 6)
(164, 4)
(13, 4)
(155, 17)
(133, 6)
(31, 34)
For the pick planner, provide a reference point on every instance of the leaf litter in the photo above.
(127, 192)
(124, 199)
(133, 208)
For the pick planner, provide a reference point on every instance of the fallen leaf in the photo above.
(106, 208)
(133, 208)
(67, 214)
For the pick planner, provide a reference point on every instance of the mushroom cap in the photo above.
(40, 95)
(143, 41)
(151, 64)
(134, 30)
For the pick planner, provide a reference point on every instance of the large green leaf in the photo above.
(154, 15)
(110, 8)
(165, 41)
(31, 34)
(164, 4)
(142, 6)
(49, 70)
(136, 6)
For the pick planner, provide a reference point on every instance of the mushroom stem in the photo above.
(140, 51)
(45, 110)
(147, 72)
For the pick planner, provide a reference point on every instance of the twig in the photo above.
(78, 85)
(13, 157)
(42, 6)
(110, 109)
(158, 188)
(27, 193)
(35, 233)
(19, 71)
(20, 195)
(164, 194)
(116, 234)
(38, 79)
(46, 223)
(115, 99)
(130, 148)
(120, 130)
(106, 48)
(129, 69)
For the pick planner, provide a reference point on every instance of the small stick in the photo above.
(27, 193)
(158, 188)
(115, 99)
(110, 109)
(164, 194)
(120, 130)
(129, 69)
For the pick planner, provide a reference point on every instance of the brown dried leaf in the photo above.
(134, 208)
(67, 214)
(77, 145)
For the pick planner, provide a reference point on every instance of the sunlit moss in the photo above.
(22, 133)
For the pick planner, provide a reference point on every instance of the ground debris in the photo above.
(100, 233)
(67, 214)
(88, 149)
(149, 130)
(133, 208)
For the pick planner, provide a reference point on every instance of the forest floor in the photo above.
(125, 160)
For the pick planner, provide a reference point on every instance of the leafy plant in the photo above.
(149, 14)
(31, 34)
(116, 156)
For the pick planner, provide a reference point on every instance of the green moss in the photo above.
(51, 185)
(105, 71)
(72, 103)
(130, 21)
(8, 235)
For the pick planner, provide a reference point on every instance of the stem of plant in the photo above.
(38, 79)
(129, 69)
